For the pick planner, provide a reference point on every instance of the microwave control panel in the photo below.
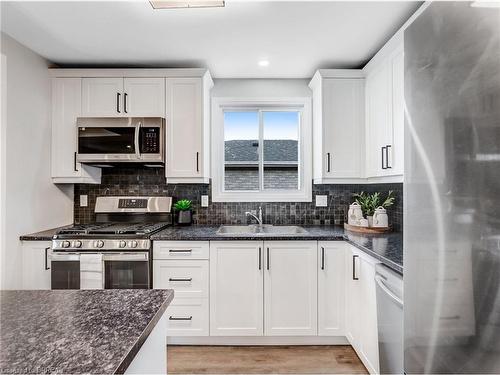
(149, 139)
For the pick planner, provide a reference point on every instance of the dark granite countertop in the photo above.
(76, 331)
(44, 235)
(388, 248)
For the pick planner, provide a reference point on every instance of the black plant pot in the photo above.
(185, 217)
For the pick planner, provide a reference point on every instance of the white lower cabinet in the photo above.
(184, 267)
(361, 307)
(290, 288)
(36, 264)
(331, 288)
(236, 288)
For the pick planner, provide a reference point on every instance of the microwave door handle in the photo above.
(136, 140)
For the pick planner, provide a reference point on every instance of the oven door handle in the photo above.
(58, 257)
(126, 257)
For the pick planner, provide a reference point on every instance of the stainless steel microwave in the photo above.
(121, 140)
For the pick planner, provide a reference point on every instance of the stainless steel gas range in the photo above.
(115, 252)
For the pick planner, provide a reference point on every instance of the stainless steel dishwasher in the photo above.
(390, 319)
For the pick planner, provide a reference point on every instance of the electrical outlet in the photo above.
(321, 200)
(204, 201)
(84, 202)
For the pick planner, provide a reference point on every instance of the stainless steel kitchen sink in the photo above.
(257, 230)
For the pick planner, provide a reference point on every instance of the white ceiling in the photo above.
(295, 37)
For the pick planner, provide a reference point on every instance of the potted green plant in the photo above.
(184, 212)
(369, 202)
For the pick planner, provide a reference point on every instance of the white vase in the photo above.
(370, 221)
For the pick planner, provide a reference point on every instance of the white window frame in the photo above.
(304, 192)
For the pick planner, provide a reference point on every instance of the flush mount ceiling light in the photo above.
(485, 4)
(263, 63)
(173, 4)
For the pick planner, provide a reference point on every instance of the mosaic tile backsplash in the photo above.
(151, 181)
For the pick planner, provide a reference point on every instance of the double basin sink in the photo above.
(260, 230)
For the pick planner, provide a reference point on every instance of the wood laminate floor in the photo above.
(335, 359)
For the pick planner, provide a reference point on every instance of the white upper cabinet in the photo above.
(236, 288)
(127, 97)
(188, 129)
(66, 107)
(102, 97)
(331, 288)
(144, 97)
(338, 126)
(290, 288)
(385, 116)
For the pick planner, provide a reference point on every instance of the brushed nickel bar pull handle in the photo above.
(268, 259)
(180, 250)
(328, 162)
(260, 258)
(47, 258)
(322, 258)
(125, 102)
(383, 164)
(387, 166)
(118, 102)
(197, 162)
(354, 274)
(188, 280)
(74, 162)
(180, 318)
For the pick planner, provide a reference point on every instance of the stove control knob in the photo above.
(98, 243)
(77, 244)
(122, 244)
(65, 244)
(132, 244)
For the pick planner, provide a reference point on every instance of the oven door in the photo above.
(126, 271)
(64, 271)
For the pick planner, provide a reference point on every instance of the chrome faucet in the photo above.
(258, 218)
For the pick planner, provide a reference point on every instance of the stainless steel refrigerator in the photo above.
(452, 190)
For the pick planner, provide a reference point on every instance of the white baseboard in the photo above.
(258, 340)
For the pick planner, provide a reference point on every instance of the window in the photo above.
(261, 150)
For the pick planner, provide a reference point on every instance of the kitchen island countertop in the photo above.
(76, 331)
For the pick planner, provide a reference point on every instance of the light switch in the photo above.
(84, 201)
(204, 201)
(321, 200)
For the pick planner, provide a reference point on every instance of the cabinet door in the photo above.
(102, 97)
(36, 265)
(144, 97)
(343, 127)
(236, 288)
(184, 128)
(396, 152)
(290, 288)
(331, 288)
(353, 328)
(66, 107)
(368, 309)
(379, 120)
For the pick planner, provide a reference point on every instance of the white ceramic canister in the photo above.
(380, 219)
(354, 214)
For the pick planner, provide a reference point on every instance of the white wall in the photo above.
(263, 88)
(30, 202)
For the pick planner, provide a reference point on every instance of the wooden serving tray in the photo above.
(355, 228)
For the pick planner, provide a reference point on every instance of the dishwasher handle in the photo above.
(380, 282)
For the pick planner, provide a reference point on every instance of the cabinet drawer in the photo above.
(180, 250)
(188, 278)
(188, 317)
